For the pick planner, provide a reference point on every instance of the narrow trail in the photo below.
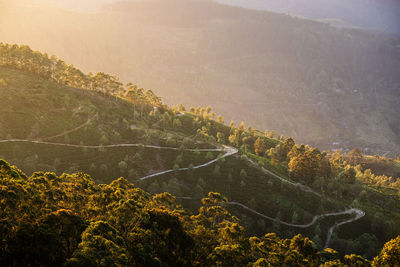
(301, 186)
(109, 146)
(228, 152)
(71, 130)
(359, 214)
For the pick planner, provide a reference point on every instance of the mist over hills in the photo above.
(372, 14)
(335, 88)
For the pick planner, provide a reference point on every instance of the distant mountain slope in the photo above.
(325, 86)
(373, 14)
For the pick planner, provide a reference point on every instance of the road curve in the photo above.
(228, 151)
(359, 214)
(109, 146)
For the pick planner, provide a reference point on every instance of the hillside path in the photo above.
(228, 152)
(359, 214)
(109, 146)
(71, 130)
(301, 186)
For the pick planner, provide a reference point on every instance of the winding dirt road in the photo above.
(108, 146)
(228, 151)
(359, 214)
(301, 186)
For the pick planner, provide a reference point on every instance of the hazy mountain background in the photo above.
(373, 14)
(326, 86)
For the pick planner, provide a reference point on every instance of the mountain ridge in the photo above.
(342, 79)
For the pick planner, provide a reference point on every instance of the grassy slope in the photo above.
(31, 108)
(300, 78)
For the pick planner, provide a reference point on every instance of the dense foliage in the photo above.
(68, 220)
(51, 68)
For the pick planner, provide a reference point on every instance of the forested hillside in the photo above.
(50, 220)
(55, 118)
(325, 86)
